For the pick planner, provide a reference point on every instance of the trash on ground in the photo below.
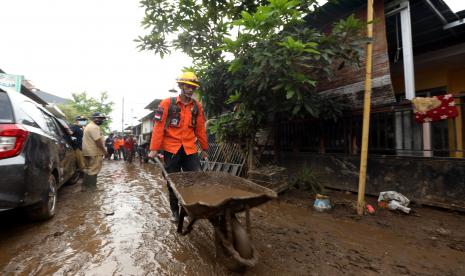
(394, 201)
(370, 209)
(322, 203)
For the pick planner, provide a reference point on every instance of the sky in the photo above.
(456, 5)
(68, 46)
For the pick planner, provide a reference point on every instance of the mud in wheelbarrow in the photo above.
(206, 194)
(217, 197)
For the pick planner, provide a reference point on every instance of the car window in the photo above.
(65, 130)
(25, 119)
(52, 125)
(63, 126)
(6, 112)
(36, 114)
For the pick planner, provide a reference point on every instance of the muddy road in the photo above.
(123, 229)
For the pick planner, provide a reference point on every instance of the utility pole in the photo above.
(122, 119)
(366, 111)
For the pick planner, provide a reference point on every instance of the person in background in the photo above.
(109, 145)
(76, 137)
(116, 148)
(142, 150)
(93, 149)
(122, 152)
(129, 147)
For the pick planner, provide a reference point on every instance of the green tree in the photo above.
(84, 105)
(197, 28)
(277, 61)
(260, 59)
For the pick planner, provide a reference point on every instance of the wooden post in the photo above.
(250, 157)
(366, 111)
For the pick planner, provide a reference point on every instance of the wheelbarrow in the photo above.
(218, 197)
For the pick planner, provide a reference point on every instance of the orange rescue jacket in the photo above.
(172, 138)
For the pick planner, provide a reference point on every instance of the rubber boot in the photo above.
(85, 180)
(93, 181)
(89, 181)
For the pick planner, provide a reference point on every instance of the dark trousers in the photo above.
(176, 163)
(110, 152)
(122, 153)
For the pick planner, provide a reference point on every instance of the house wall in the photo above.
(349, 82)
(433, 76)
(435, 182)
(147, 126)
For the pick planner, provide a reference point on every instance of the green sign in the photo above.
(11, 82)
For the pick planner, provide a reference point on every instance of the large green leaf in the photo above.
(290, 94)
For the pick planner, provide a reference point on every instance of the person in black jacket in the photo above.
(109, 145)
(77, 129)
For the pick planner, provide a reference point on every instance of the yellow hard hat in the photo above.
(188, 78)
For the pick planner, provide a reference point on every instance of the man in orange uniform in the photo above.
(180, 122)
(122, 149)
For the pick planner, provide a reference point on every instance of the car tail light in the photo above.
(12, 138)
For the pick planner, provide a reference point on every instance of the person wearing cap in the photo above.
(180, 123)
(76, 138)
(93, 149)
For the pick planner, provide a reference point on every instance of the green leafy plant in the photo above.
(308, 179)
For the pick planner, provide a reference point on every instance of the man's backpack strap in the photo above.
(171, 111)
(195, 113)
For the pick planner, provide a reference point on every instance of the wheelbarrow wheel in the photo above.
(242, 245)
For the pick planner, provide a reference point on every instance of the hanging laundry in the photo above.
(435, 108)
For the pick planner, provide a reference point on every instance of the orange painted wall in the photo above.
(433, 76)
(456, 80)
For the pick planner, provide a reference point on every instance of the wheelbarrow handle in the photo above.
(207, 165)
(157, 161)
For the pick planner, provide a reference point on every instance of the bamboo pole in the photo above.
(366, 111)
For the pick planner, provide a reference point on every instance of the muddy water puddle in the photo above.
(123, 228)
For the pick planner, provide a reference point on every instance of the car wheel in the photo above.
(45, 209)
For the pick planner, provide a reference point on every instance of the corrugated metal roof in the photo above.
(153, 105)
(428, 33)
(332, 11)
(50, 98)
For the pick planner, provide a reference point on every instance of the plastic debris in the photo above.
(370, 209)
(322, 203)
(394, 200)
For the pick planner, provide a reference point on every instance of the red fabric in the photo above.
(129, 144)
(446, 110)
